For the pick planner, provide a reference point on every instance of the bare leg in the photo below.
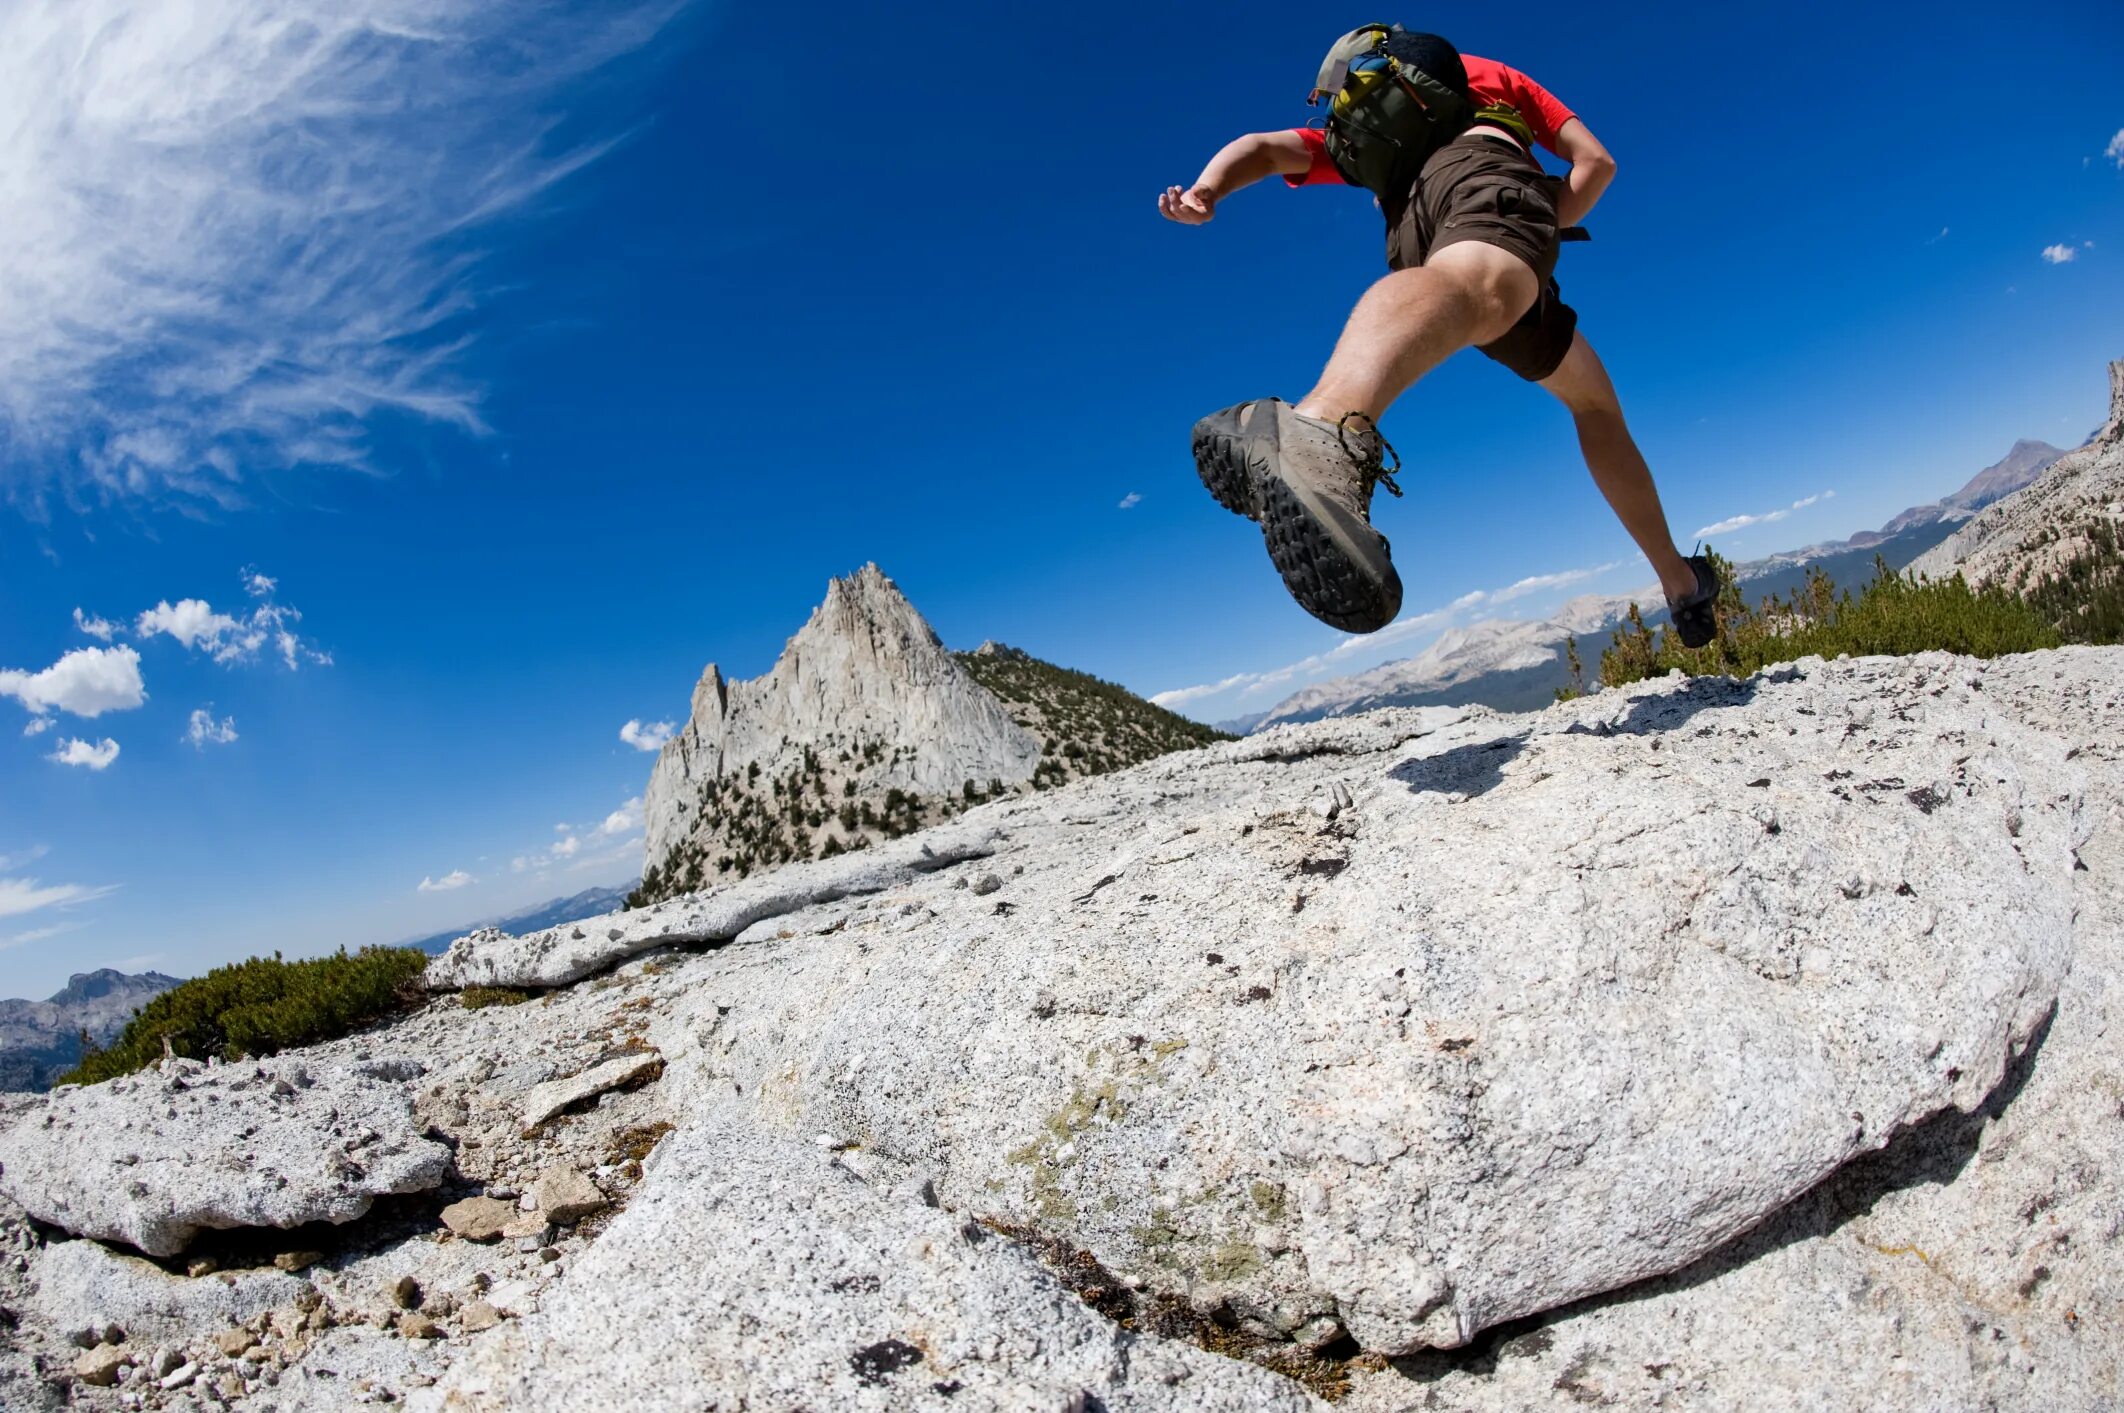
(1618, 467)
(1413, 320)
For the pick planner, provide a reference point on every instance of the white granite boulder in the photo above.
(150, 1159)
(1552, 1005)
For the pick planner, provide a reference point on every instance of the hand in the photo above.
(1192, 207)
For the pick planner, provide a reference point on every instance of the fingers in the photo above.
(1182, 205)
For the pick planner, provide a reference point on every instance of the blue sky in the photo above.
(538, 355)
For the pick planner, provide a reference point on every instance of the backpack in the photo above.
(1385, 115)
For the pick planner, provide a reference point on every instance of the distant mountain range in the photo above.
(591, 902)
(1511, 664)
(41, 1040)
(1517, 664)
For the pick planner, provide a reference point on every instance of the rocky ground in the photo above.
(1699, 1045)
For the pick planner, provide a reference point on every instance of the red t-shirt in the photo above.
(1489, 82)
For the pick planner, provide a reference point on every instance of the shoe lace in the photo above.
(1376, 471)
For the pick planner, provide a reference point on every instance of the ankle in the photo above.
(1678, 581)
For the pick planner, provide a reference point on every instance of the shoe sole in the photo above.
(1321, 561)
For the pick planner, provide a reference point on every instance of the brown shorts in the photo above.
(1485, 189)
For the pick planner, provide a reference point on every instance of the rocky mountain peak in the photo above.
(866, 606)
(867, 727)
(863, 718)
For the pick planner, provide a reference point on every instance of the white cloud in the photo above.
(191, 622)
(1131, 500)
(454, 879)
(1181, 696)
(1535, 583)
(94, 626)
(37, 726)
(203, 730)
(229, 639)
(2115, 151)
(77, 752)
(238, 231)
(624, 820)
(1769, 517)
(647, 738)
(600, 844)
(2060, 254)
(85, 682)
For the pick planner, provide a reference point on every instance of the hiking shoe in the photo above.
(1694, 617)
(1308, 483)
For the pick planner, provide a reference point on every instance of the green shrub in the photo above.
(1891, 615)
(259, 1007)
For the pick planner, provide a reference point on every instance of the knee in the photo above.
(1500, 297)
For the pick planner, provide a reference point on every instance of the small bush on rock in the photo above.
(1893, 615)
(259, 1007)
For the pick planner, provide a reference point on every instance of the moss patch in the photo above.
(477, 998)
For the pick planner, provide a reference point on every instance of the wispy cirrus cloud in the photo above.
(20, 896)
(239, 231)
(1768, 517)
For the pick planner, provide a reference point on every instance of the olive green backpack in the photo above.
(1385, 115)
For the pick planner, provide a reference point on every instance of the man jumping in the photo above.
(1473, 223)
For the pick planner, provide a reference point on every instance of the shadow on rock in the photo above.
(1673, 710)
(1932, 1153)
(1468, 771)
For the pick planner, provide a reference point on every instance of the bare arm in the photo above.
(1591, 171)
(1239, 163)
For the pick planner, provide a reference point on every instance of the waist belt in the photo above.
(1574, 233)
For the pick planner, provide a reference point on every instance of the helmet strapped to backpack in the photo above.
(1387, 112)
